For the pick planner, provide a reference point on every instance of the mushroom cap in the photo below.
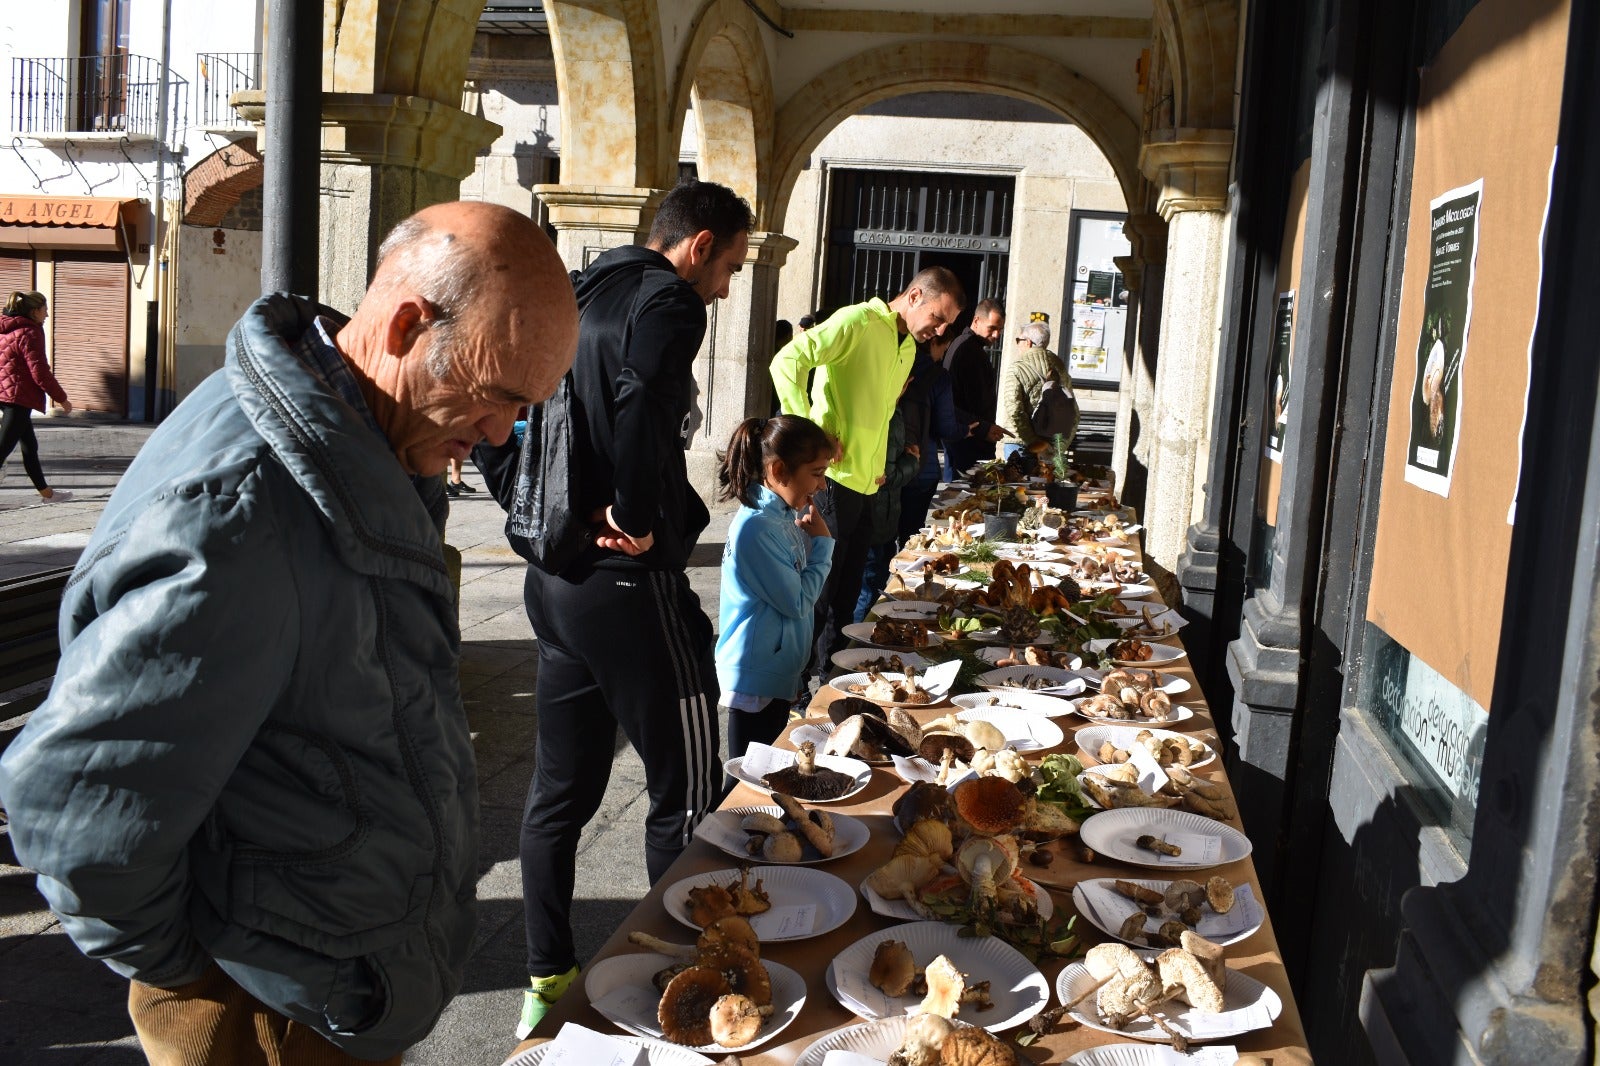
(975, 1046)
(1210, 955)
(990, 805)
(923, 800)
(734, 1020)
(743, 971)
(945, 985)
(1182, 972)
(1184, 893)
(850, 706)
(1219, 892)
(933, 745)
(886, 738)
(984, 735)
(893, 968)
(734, 931)
(685, 1010)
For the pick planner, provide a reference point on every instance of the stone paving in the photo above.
(58, 1008)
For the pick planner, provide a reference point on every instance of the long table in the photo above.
(1256, 956)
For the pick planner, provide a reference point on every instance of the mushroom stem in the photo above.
(677, 951)
(1180, 1043)
(1092, 989)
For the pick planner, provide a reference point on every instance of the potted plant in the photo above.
(1062, 492)
(1008, 508)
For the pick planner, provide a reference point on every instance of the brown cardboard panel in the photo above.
(1489, 108)
(1294, 240)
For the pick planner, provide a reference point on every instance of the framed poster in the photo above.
(1442, 341)
(1281, 363)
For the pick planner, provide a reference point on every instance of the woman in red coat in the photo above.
(25, 378)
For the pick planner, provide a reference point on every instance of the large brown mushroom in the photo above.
(685, 1010)
(990, 805)
(974, 1046)
(923, 800)
(933, 746)
(893, 968)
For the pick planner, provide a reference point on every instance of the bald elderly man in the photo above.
(251, 789)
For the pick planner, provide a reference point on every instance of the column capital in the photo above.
(382, 129)
(1132, 268)
(770, 249)
(1190, 167)
(607, 208)
(1147, 234)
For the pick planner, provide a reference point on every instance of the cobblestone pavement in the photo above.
(58, 1008)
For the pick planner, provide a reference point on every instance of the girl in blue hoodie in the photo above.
(777, 557)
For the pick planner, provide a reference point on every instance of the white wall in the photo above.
(219, 282)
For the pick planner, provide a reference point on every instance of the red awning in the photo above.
(67, 221)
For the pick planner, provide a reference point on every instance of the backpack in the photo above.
(1055, 413)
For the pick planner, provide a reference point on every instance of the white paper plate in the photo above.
(788, 887)
(862, 632)
(657, 1053)
(900, 910)
(1165, 629)
(1106, 910)
(902, 609)
(1024, 730)
(1171, 684)
(1112, 834)
(993, 635)
(994, 655)
(857, 659)
(1032, 702)
(854, 767)
(1135, 592)
(1078, 551)
(619, 988)
(1017, 987)
(1122, 735)
(874, 1040)
(1249, 1005)
(1028, 554)
(1152, 1055)
(936, 692)
(1061, 682)
(1159, 653)
(1178, 714)
(721, 830)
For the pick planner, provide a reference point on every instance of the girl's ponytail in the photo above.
(741, 468)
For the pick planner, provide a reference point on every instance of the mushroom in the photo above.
(734, 1021)
(1184, 976)
(847, 707)
(815, 826)
(983, 863)
(902, 877)
(984, 735)
(933, 745)
(685, 1010)
(990, 805)
(945, 985)
(924, 1037)
(1004, 762)
(782, 847)
(973, 1046)
(1219, 893)
(1183, 894)
(734, 931)
(893, 968)
(923, 800)
(1210, 955)
(928, 838)
(761, 822)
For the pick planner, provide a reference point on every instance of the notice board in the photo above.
(1486, 126)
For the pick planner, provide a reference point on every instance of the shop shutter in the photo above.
(89, 320)
(16, 271)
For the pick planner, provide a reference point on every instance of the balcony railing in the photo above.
(94, 94)
(221, 74)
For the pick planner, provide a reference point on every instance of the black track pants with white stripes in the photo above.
(619, 648)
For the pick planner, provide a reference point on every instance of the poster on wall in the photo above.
(1282, 341)
(1442, 342)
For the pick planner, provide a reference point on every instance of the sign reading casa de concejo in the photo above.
(1442, 342)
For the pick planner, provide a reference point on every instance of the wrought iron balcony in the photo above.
(221, 74)
(94, 94)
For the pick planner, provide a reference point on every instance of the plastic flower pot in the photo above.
(1061, 495)
(1000, 526)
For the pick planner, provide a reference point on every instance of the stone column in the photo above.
(1191, 171)
(732, 367)
(1143, 272)
(591, 218)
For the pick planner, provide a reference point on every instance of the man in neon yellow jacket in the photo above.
(861, 355)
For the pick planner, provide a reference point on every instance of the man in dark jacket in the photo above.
(973, 387)
(622, 637)
(251, 789)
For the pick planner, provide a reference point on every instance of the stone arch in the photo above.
(611, 138)
(213, 186)
(399, 47)
(928, 66)
(726, 74)
(1201, 38)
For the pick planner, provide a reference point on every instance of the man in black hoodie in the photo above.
(622, 637)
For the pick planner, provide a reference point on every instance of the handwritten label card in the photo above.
(721, 830)
(1197, 849)
(938, 679)
(634, 1007)
(761, 759)
(1242, 1019)
(1151, 775)
(785, 923)
(849, 1058)
(578, 1046)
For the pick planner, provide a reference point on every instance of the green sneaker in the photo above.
(537, 1000)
